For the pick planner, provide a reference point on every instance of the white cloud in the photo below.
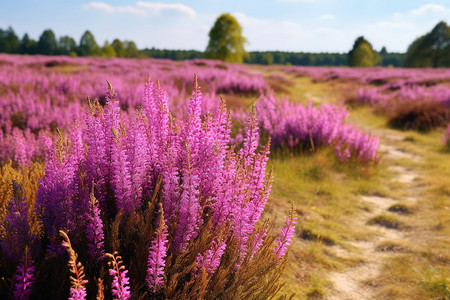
(130, 10)
(397, 15)
(143, 8)
(101, 6)
(161, 8)
(326, 17)
(428, 8)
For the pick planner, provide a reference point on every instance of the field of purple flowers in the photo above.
(155, 187)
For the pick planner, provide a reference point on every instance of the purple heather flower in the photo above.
(120, 283)
(77, 294)
(286, 235)
(156, 256)
(24, 277)
(210, 260)
(94, 230)
(16, 224)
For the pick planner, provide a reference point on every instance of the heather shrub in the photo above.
(419, 115)
(308, 127)
(146, 207)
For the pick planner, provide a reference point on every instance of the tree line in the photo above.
(227, 43)
(48, 44)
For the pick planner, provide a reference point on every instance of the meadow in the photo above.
(136, 178)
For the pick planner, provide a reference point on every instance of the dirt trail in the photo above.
(357, 283)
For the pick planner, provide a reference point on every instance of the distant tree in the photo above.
(88, 46)
(267, 58)
(226, 41)
(27, 45)
(47, 43)
(9, 42)
(130, 49)
(119, 48)
(67, 45)
(108, 50)
(430, 50)
(362, 54)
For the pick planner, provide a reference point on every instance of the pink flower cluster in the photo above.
(294, 125)
(125, 162)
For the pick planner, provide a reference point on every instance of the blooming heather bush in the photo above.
(173, 202)
(296, 125)
(43, 93)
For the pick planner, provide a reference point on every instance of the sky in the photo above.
(285, 25)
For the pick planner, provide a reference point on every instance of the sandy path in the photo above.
(356, 283)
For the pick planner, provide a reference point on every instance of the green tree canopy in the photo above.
(118, 47)
(226, 41)
(430, 50)
(9, 42)
(27, 45)
(47, 43)
(130, 49)
(88, 46)
(362, 54)
(67, 45)
(108, 50)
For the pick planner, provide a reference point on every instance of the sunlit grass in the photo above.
(326, 195)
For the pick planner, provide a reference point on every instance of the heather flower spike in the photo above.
(286, 234)
(120, 283)
(17, 226)
(77, 279)
(94, 230)
(157, 254)
(210, 260)
(24, 277)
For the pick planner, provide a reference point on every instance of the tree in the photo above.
(108, 50)
(67, 45)
(27, 45)
(118, 47)
(88, 46)
(430, 50)
(47, 43)
(226, 41)
(362, 54)
(130, 49)
(9, 42)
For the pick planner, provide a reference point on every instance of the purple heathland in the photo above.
(293, 125)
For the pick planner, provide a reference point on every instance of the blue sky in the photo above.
(287, 25)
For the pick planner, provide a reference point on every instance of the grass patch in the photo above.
(400, 209)
(317, 288)
(391, 246)
(436, 283)
(309, 235)
(387, 221)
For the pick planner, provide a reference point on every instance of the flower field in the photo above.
(155, 179)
